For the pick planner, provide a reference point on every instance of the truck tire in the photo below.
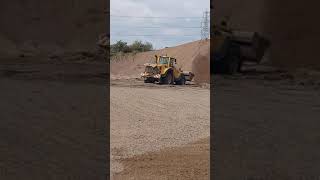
(168, 79)
(181, 81)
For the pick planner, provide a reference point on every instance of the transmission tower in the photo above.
(205, 32)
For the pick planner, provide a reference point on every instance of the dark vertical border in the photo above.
(43, 133)
(212, 125)
(107, 13)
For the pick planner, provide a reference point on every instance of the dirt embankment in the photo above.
(294, 33)
(293, 30)
(201, 67)
(192, 56)
(33, 27)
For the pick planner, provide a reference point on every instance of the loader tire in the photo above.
(168, 79)
(181, 81)
(148, 80)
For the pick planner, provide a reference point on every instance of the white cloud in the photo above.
(164, 8)
(172, 31)
(130, 8)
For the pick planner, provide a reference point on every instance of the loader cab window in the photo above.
(163, 60)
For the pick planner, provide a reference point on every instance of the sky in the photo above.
(164, 23)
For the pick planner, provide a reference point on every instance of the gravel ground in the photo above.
(52, 122)
(148, 118)
(266, 127)
(186, 162)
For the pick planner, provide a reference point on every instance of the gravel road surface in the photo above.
(148, 118)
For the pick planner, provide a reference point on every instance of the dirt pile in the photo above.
(131, 65)
(245, 15)
(34, 27)
(201, 67)
(292, 30)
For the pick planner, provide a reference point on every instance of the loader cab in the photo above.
(163, 60)
(166, 61)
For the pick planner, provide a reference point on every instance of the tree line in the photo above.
(135, 47)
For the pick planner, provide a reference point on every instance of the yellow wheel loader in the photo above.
(232, 48)
(165, 71)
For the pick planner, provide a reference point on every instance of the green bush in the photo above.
(135, 47)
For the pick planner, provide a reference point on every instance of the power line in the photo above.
(192, 35)
(173, 17)
(158, 40)
(150, 34)
(195, 27)
(205, 26)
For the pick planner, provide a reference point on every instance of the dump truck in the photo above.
(232, 48)
(165, 71)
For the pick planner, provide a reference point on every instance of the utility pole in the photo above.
(205, 32)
